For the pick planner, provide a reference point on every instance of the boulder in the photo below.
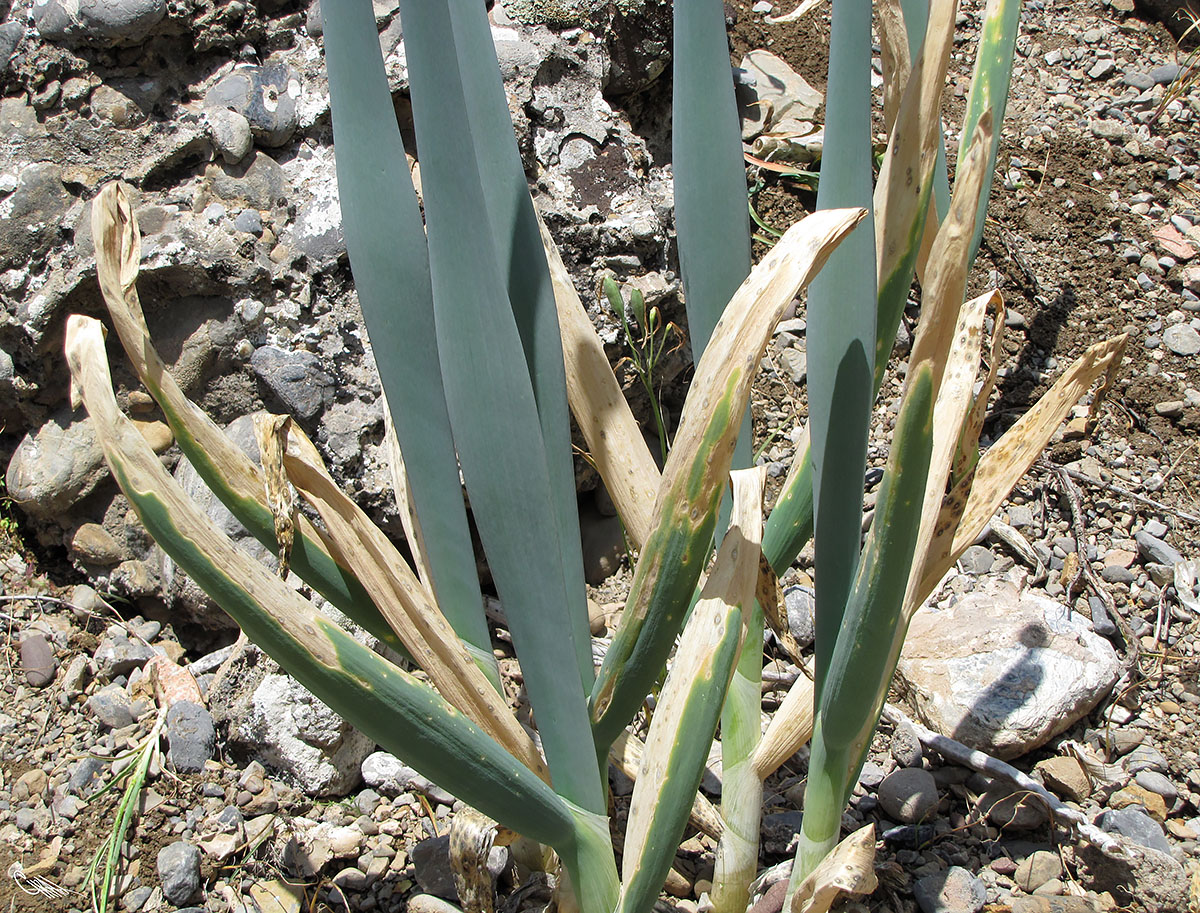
(1004, 670)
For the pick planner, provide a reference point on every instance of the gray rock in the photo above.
(431, 864)
(1135, 824)
(795, 364)
(56, 467)
(391, 776)
(906, 746)
(1166, 74)
(977, 560)
(179, 871)
(191, 736)
(1116, 574)
(258, 182)
(871, 775)
(266, 96)
(1156, 528)
(135, 899)
(287, 727)
(1101, 623)
(1140, 81)
(295, 378)
(249, 221)
(97, 23)
(801, 613)
(908, 795)
(111, 706)
(1004, 671)
(230, 133)
(117, 655)
(37, 660)
(1154, 549)
(1146, 757)
(1182, 339)
(1146, 881)
(87, 776)
(1157, 783)
(11, 33)
(955, 890)
(317, 232)
(1102, 69)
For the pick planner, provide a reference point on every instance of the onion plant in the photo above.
(483, 343)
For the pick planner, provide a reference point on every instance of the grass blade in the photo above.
(493, 408)
(691, 700)
(696, 471)
(390, 262)
(231, 475)
(403, 715)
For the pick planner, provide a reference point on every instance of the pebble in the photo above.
(1036, 869)
(1135, 795)
(1101, 69)
(117, 656)
(1145, 757)
(266, 96)
(1165, 74)
(801, 608)
(1012, 809)
(1154, 549)
(111, 706)
(908, 795)
(1065, 776)
(100, 23)
(906, 746)
(1134, 823)
(1182, 339)
(179, 871)
(230, 132)
(37, 660)
(955, 890)
(1155, 782)
(296, 379)
(977, 560)
(191, 736)
(1140, 81)
(391, 776)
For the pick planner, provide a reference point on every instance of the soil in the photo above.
(1053, 246)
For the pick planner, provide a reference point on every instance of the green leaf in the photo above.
(493, 406)
(390, 262)
(841, 330)
(399, 712)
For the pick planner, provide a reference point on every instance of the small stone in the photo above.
(596, 620)
(103, 23)
(1036, 869)
(795, 365)
(111, 706)
(117, 656)
(391, 776)
(1141, 81)
(296, 378)
(230, 133)
(345, 841)
(86, 777)
(191, 736)
(179, 871)
(31, 785)
(37, 660)
(1165, 74)
(250, 222)
(1182, 339)
(266, 96)
(908, 795)
(800, 604)
(1155, 782)
(1154, 549)
(1117, 574)
(1145, 757)
(431, 863)
(1065, 776)
(977, 560)
(1009, 809)
(955, 890)
(1134, 823)
(1136, 795)
(1144, 880)
(1171, 408)
(906, 746)
(351, 879)
(92, 544)
(1102, 69)
(1156, 528)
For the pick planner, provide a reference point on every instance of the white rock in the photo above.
(1005, 671)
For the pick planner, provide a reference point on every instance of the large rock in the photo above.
(265, 95)
(97, 23)
(287, 727)
(57, 467)
(1004, 670)
(31, 213)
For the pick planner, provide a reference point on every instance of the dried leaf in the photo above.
(848, 869)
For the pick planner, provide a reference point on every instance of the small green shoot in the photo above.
(103, 887)
(648, 339)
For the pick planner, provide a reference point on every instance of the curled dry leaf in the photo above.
(848, 869)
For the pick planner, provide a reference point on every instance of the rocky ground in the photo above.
(217, 114)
